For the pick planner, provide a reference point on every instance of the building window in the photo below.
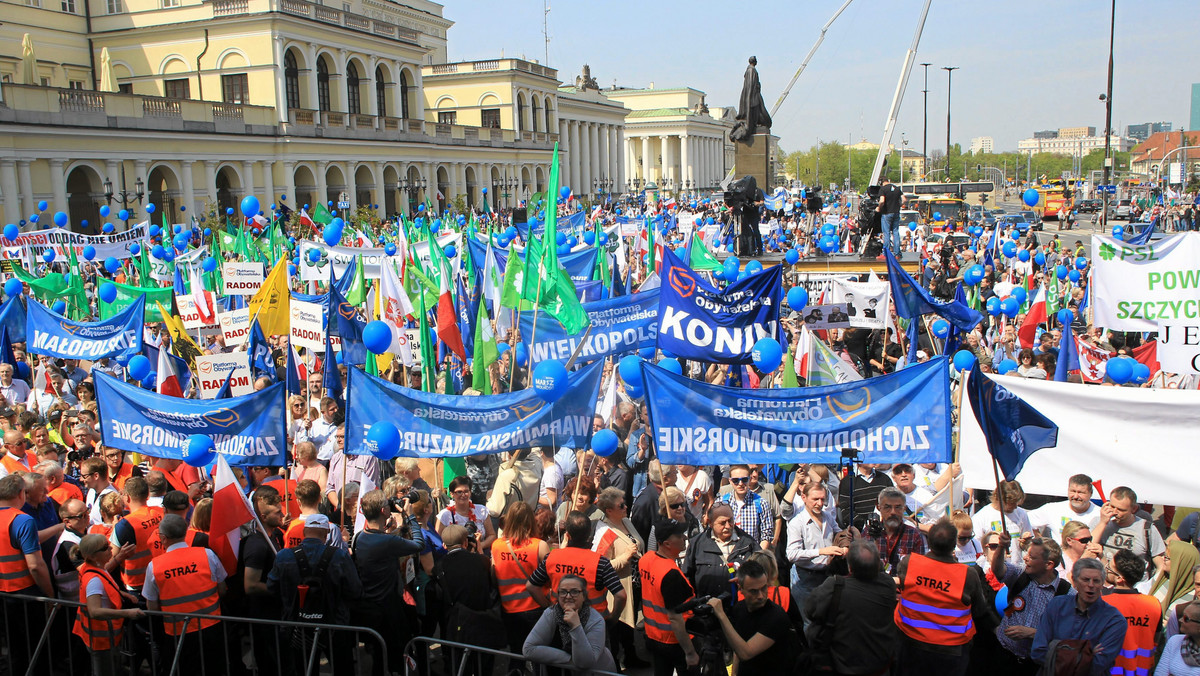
(235, 88)
(178, 89)
(404, 95)
(291, 80)
(322, 85)
(490, 118)
(115, 6)
(33, 3)
(167, 4)
(447, 117)
(380, 93)
(352, 81)
(125, 88)
(45, 82)
(68, 6)
(76, 84)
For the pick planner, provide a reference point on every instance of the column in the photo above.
(281, 111)
(187, 182)
(647, 160)
(576, 155)
(268, 171)
(520, 184)
(248, 180)
(452, 191)
(564, 169)
(58, 185)
(25, 179)
(621, 165)
(665, 170)
(605, 152)
(369, 79)
(210, 180)
(322, 195)
(685, 157)
(430, 177)
(289, 185)
(8, 186)
(313, 98)
(593, 157)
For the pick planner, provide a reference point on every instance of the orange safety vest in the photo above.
(101, 529)
(13, 465)
(123, 475)
(14, 570)
(156, 546)
(582, 562)
(287, 492)
(1143, 616)
(64, 492)
(98, 634)
(294, 534)
(931, 608)
(185, 585)
(652, 568)
(781, 596)
(513, 566)
(145, 523)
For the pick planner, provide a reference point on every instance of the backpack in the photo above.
(314, 598)
(1068, 657)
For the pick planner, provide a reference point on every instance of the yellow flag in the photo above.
(271, 305)
(181, 343)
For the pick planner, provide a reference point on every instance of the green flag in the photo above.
(702, 259)
(358, 290)
(1053, 296)
(485, 353)
(428, 353)
(514, 273)
(53, 287)
(321, 215)
(127, 294)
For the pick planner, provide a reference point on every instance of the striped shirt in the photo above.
(752, 516)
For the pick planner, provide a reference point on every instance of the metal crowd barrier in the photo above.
(427, 656)
(39, 640)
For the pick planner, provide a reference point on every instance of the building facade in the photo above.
(196, 103)
(1141, 132)
(982, 144)
(1077, 145)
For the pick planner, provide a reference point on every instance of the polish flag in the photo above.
(49, 384)
(259, 220)
(1035, 316)
(230, 511)
(803, 352)
(305, 219)
(205, 305)
(447, 318)
(168, 375)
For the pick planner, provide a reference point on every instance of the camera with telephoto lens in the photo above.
(399, 505)
(874, 527)
(77, 456)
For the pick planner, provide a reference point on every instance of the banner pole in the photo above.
(996, 469)
(957, 441)
(342, 497)
(533, 333)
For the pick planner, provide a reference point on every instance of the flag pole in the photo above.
(533, 333)
(342, 497)
(996, 469)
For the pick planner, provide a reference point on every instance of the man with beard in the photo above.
(894, 538)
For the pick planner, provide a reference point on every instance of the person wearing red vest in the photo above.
(665, 588)
(515, 557)
(23, 572)
(938, 599)
(268, 476)
(188, 580)
(101, 623)
(1143, 614)
(135, 529)
(577, 558)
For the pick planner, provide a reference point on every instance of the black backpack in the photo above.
(314, 598)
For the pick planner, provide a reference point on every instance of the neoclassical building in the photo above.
(195, 103)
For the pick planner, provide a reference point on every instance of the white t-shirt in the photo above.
(694, 489)
(552, 477)
(987, 520)
(1055, 515)
(447, 517)
(926, 478)
(93, 504)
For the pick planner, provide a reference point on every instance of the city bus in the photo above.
(1057, 194)
(938, 211)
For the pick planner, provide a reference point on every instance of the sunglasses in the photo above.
(1084, 541)
(679, 505)
(740, 480)
(965, 538)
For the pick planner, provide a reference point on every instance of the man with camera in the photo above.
(894, 538)
(391, 534)
(757, 629)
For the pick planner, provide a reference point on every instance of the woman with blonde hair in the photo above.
(202, 515)
(515, 555)
(307, 465)
(1077, 543)
(670, 502)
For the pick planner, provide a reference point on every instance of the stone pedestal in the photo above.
(755, 160)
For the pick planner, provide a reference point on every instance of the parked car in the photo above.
(1032, 219)
(1089, 206)
(1007, 221)
(1121, 210)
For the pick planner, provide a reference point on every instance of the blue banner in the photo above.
(12, 318)
(699, 321)
(443, 426)
(53, 334)
(248, 430)
(1014, 430)
(537, 226)
(618, 325)
(902, 417)
(580, 265)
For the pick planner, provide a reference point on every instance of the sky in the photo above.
(1024, 65)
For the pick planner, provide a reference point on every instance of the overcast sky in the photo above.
(1025, 65)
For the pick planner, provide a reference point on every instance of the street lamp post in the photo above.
(925, 124)
(125, 196)
(949, 76)
(1112, 29)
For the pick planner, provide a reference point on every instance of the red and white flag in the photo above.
(305, 219)
(1092, 362)
(447, 318)
(206, 306)
(230, 511)
(168, 375)
(1035, 316)
(803, 353)
(259, 220)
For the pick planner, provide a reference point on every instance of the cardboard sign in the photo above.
(242, 279)
(235, 326)
(212, 369)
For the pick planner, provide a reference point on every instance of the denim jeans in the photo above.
(891, 232)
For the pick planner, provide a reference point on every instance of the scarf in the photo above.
(564, 629)
(1191, 652)
(1178, 581)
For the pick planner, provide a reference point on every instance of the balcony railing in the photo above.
(350, 20)
(493, 65)
(230, 110)
(161, 108)
(230, 7)
(78, 101)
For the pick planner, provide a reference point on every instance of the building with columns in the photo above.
(592, 130)
(200, 102)
(673, 139)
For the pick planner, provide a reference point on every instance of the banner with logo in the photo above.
(32, 245)
(235, 326)
(580, 265)
(536, 227)
(164, 271)
(308, 325)
(128, 294)
(247, 430)
(53, 334)
(901, 417)
(1137, 288)
(618, 325)
(191, 317)
(213, 369)
(340, 258)
(698, 321)
(242, 279)
(1149, 439)
(866, 302)
(444, 426)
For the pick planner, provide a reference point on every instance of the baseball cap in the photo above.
(665, 528)
(316, 521)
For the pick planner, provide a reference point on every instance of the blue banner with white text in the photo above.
(443, 426)
(698, 321)
(53, 334)
(248, 430)
(618, 326)
(580, 265)
(902, 417)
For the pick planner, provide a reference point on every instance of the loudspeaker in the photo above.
(520, 215)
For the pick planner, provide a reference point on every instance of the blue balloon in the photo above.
(973, 275)
(589, 237)
(828, 244)
(107, 228)
(797, 297)
(43, 205)
(155, 231)
(229, 211)
(671, 364)
(732, 263)
(1002, 600)
(332, 235)
(158, 251)
(450, 251)
(1141, 373)
(1010, 306)
(1020, 294)
(572, 241)
(377, 337)
(767, 355)
(201, 450)
(1030, 197)
(1118, 232)
(993, 306)
(646, 353)
(314, 255)
(604, 442)
(603, 238)
(964, 359)
(12, 232)
(1074, 276)
(754, 267)
(135, 248)
(1040, 258)
(1007, 366)
(48, 256)
(1120, 369)
(123, 215)
(630, 368)
(209, 264)
(33, 218)
(744, 274)
(941, 328)
(89, 252)
(390, 249)
(59, 307)
(383, 440)
(138, 367)
(291, 270)
(112, 265)
(13, 287)
(60, 219)
(564, 192)
(1081, 263)
(108, 293)
(1065, 316)
(560, 239)
(550, 380)
(169, 256)
(1009, 249)
(1060, 271)
(1023, 255)
(937, 215)
(150, 208)
(633, 391)
(792, 256)
(522, 354)
(105, 210)
(177, 229)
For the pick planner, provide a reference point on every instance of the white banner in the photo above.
(308, 325)
(161, 269)
(866, 302)
(34, 244)
(1134, 288)
(420, 251)
(213, 369)
(242, 279)
(190, 315)
(235, 326)
(1124, 436)
(340, 256)
(1179, 348)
